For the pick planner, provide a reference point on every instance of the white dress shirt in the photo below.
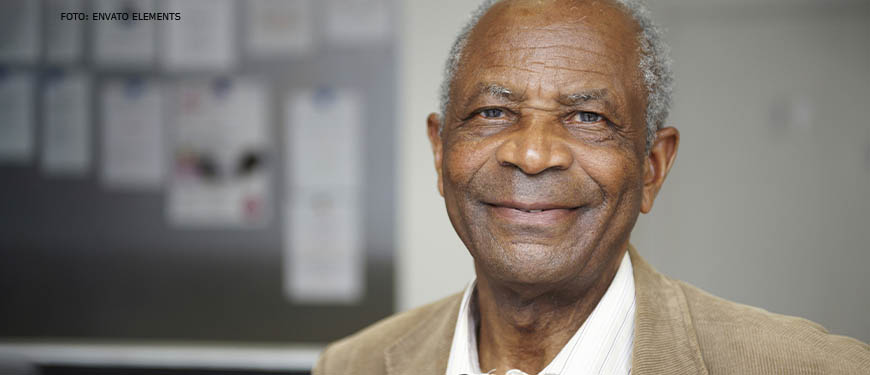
(602, 345)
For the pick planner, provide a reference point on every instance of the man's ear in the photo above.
(657, 164)
(433, 126)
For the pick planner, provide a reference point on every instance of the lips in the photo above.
(532, 207)
(537, 213)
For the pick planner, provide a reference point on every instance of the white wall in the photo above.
(432, 262)
(768, 202)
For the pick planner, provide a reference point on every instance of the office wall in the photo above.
(767, 204)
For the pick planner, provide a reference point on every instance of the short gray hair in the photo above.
(655, 64)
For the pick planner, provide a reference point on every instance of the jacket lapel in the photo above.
(664, 336)
(426, 347)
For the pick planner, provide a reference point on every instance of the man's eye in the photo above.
(588, 117)
(491, 113)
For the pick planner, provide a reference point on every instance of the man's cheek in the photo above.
(460, 161)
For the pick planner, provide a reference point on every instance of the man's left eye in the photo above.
(491, 113)
(588, 117)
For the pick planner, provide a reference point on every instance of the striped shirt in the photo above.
(602, 345)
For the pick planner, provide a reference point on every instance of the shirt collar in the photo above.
(603, 343)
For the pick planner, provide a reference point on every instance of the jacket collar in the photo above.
(426, 347)
(664, 335)
(664, 338)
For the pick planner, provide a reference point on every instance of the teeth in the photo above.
(535, 210)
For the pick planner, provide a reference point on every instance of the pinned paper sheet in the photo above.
(324, 138)
(220, 155)
(279, 28)
(202, 39)
(133, 141)
(325, 244)
(124, 43)
(66, 132)
(323, 236)
(358, 21)
(16, 116)
(19, 30)
(63, 38)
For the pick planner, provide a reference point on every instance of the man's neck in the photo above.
(526, 333)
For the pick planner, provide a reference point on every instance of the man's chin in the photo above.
(531, 264)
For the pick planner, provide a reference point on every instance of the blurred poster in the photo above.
(133, 143)
(66, 132)
(358, 21)
(16, 116)
(124, 43)
(19, 30)
(323, 236)
(324, 262)
(324, 138)
(63, 38)
(279, 28)
(202, 39)
(220, 155)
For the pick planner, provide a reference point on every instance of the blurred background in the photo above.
(228, 191)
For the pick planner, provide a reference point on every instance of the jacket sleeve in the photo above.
(320, 366)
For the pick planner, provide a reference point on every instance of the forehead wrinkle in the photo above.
(545, 66)
(547, 47)
(561, 67)
(577, 29)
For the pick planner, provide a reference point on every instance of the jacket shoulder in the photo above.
(740, 339)
(363, 352)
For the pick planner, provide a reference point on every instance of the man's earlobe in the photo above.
(657, 165)
(433, 127)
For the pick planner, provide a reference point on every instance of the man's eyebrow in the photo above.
(584, 96)
(495, 90)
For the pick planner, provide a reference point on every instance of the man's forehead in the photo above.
(565, 31)
(554, 47)
(558, 15)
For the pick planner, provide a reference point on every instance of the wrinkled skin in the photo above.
(546, 113)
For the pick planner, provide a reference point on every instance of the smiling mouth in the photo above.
(531, 207)
(534, 214)
(531, 211)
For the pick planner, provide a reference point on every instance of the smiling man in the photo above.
(550, 143)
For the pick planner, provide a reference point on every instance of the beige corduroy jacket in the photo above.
(679, 329)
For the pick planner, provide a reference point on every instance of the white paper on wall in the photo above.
(63, 38)
(19, 30)
(121, 43)
(66, 131)
(16, 116)
(204, 38)
(133, 144)
(323, 237)
(324, 138)
(324, 262)
(358, 21)
(279, 28)
(220, 168)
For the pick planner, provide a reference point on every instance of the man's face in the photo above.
(541, 159)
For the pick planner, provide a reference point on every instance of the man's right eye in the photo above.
(491, 113)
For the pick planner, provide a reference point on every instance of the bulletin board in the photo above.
(87, 257)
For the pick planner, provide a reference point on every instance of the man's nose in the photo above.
(535, 147)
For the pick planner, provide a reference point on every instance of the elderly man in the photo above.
(549, 144)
